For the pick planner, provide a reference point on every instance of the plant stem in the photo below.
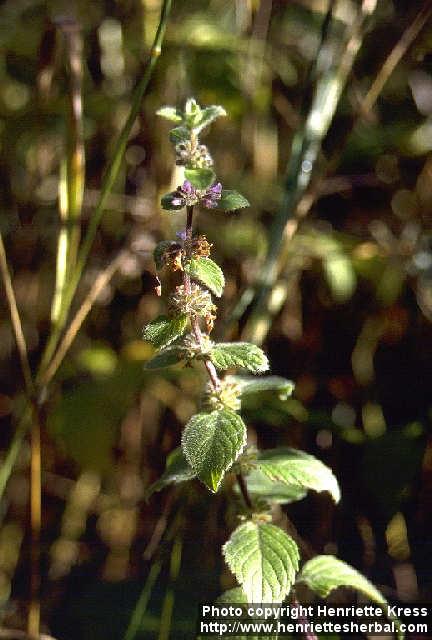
(16, 321)
(212, 373)
(244, 490)
(107, 184)
(33, 623)
(211, 370)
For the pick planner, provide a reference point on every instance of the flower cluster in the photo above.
(189, 154)
(197, 301)
(227, 395)
(187, 195)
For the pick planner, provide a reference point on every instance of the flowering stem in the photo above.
(214, 378)
(212, 373)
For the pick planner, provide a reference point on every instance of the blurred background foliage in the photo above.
(351, 326)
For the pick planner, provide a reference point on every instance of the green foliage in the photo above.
(211, 442)
(166, 357)
(325, 573)
(167, 202)
(177, 470)
(239, 355)
(261, 486)
(164, 330)
(232, 200)
(207, 272)
(170, 113)
(250, 385)
(296, 468)
(200, 178)
(179, 134)
(264, 559)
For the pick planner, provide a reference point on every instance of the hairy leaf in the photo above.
(231, 201)
(261, 486)
(164, 330)
(207, 116)
(169, 113)
(239, 355)
(179, 134)
(208, 273)
(250, 385)
(296, 468)
(264, 559)
(325, 573)
(177, 470)
(211, 443)
(165, 358)
(167, 202)
(200, 178)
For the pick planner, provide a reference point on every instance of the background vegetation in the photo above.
(344, 299)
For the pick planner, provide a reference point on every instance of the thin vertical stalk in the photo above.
(72, 173)
(141, 606)
(305, 150)
(168, 604)
(33, 623)
(107, 184)
(16, 320)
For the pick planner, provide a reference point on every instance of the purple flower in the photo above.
(212, 195)
(181, 235)
(187, 188)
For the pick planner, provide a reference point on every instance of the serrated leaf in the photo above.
(164, 330)
(325, 573)
(250, 385)
(177, 470)
(231, 201)
(167, 202)
(207, 116)
(200, 178)
(165, 358)
(170, 113)
(211, 442)
(160, 249)
(179, 134)
(264, 559)
(240, 355)
(296, 468)
(208, 273)
(261, 486)
(238, 597)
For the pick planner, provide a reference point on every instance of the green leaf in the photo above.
(211, 443)
(165, 358)
(177, 470)
(160, 249)
(200, 178)
(231, 201)
(260, 486)
(264, 559)
(164, 330)
(325, 573)
(170, 113)
(296, 468)
(250, 385)
(167, 202)
(241, 355)
(192, 112)
(207, 116)
(208, 273)
(179, 134)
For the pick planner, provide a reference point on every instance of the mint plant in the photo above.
(264, 559)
